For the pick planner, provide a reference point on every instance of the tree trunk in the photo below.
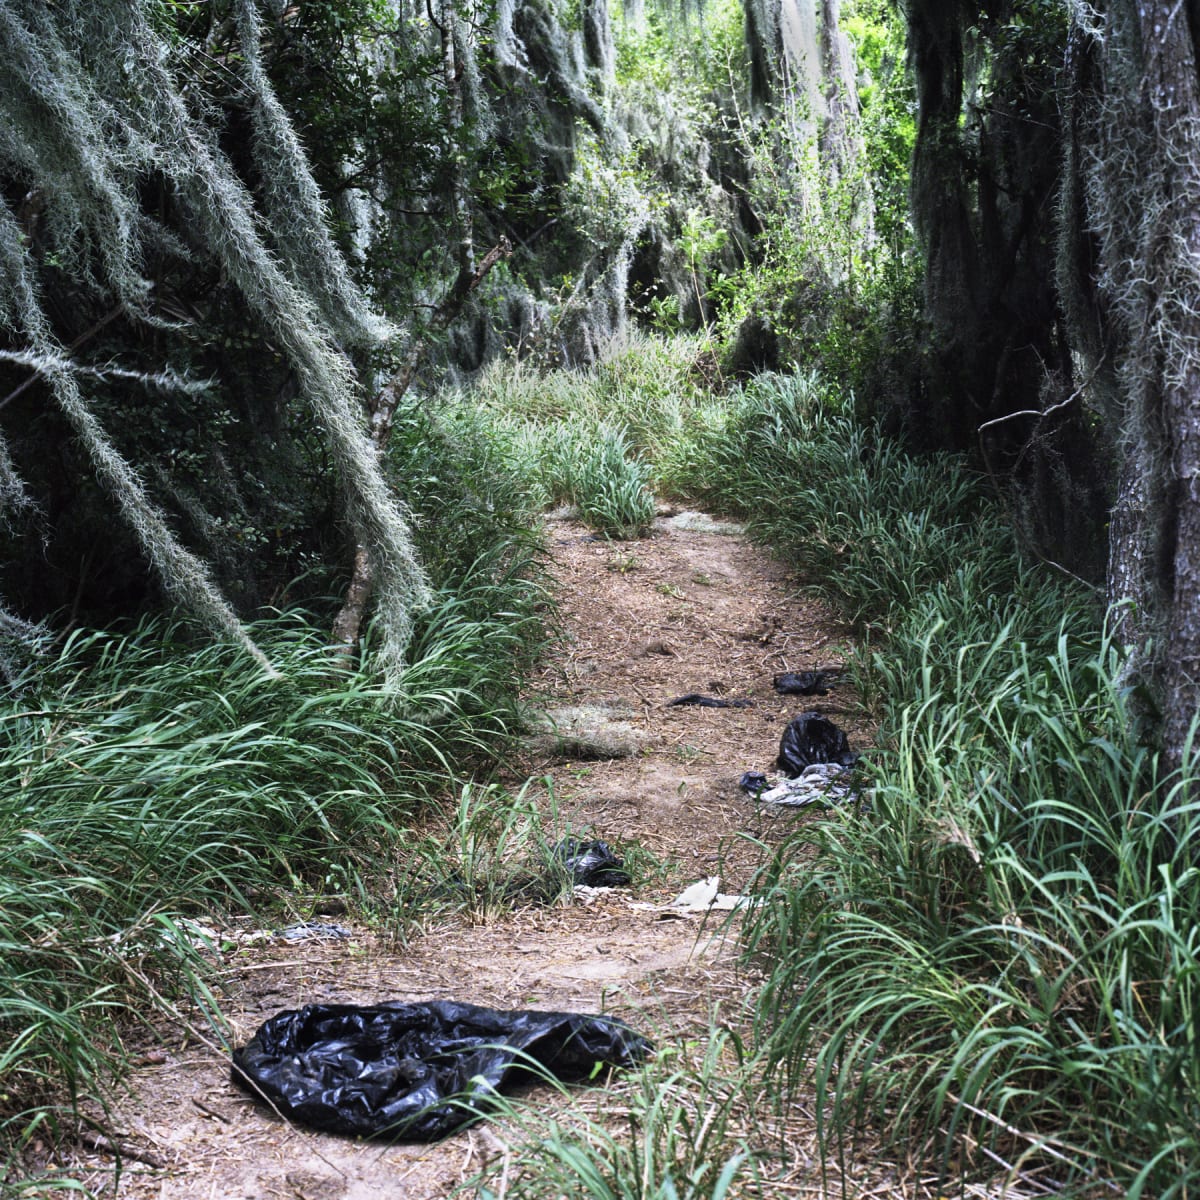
(1172, 91)
(347, 625)
(840, 142)
(1142, 179)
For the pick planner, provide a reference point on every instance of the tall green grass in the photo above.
(593, 438)
(683, 1128)
(869, 525)
(154, 781)
(994, 959)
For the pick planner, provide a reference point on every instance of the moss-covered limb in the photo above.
(347, 625)
(298, 217)
(96, 107)
(225, 212)
(182, 574)
(64, 135)
(453, 66)
(841, 140)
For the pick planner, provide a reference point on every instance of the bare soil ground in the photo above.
(691, 609)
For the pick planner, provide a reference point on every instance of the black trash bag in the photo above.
(811, 738)
(801, 683)
(701, 701)
(592, 863)
(417, 1072)
(753, 783)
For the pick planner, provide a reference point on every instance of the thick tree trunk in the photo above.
(1172, 91)
(1142, 180)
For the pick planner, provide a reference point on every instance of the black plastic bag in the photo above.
(592, 863)
(801, 683)
(753, 783)
(417, 1071)
(700, 701)
(811, 738)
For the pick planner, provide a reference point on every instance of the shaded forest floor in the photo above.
(693, 608)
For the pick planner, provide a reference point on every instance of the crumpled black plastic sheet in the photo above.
(811, 738)
(696, 700)
(592, 863)
(754, 783)
(801, 683)
(392, 1070)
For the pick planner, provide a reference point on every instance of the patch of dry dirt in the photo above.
(686, 610)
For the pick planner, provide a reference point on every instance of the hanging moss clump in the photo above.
(104, 109)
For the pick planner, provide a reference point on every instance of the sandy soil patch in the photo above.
(694, 608)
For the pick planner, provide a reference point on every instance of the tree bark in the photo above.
(840, 142)
(1142, 180)
(1172, 92)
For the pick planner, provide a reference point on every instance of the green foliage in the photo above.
(152, 781)
(993, 956)
(494, 851)
(610, 487)
(830, 272)
(475, 525)
(684, 1137)
(671, 44)
(608, 197)
(363, 81)
(156, 781)
(887, 96)
(1006, 941)
(871, 526)
(592, 438)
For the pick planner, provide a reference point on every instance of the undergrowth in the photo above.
(494, 850)
(591, 439)
(684, 1127)
(154, 781)
(991, 959)
(994, 959)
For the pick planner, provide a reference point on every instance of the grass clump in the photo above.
(869, 525)
(999, 963)
(591, 439)
(684, 1131)
(151, 782)
(995, 959)
(491, 852)
(155, 783)
(610, 486)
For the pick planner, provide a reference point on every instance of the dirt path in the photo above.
(692, 609)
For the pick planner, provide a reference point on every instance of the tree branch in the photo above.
(347, 624)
